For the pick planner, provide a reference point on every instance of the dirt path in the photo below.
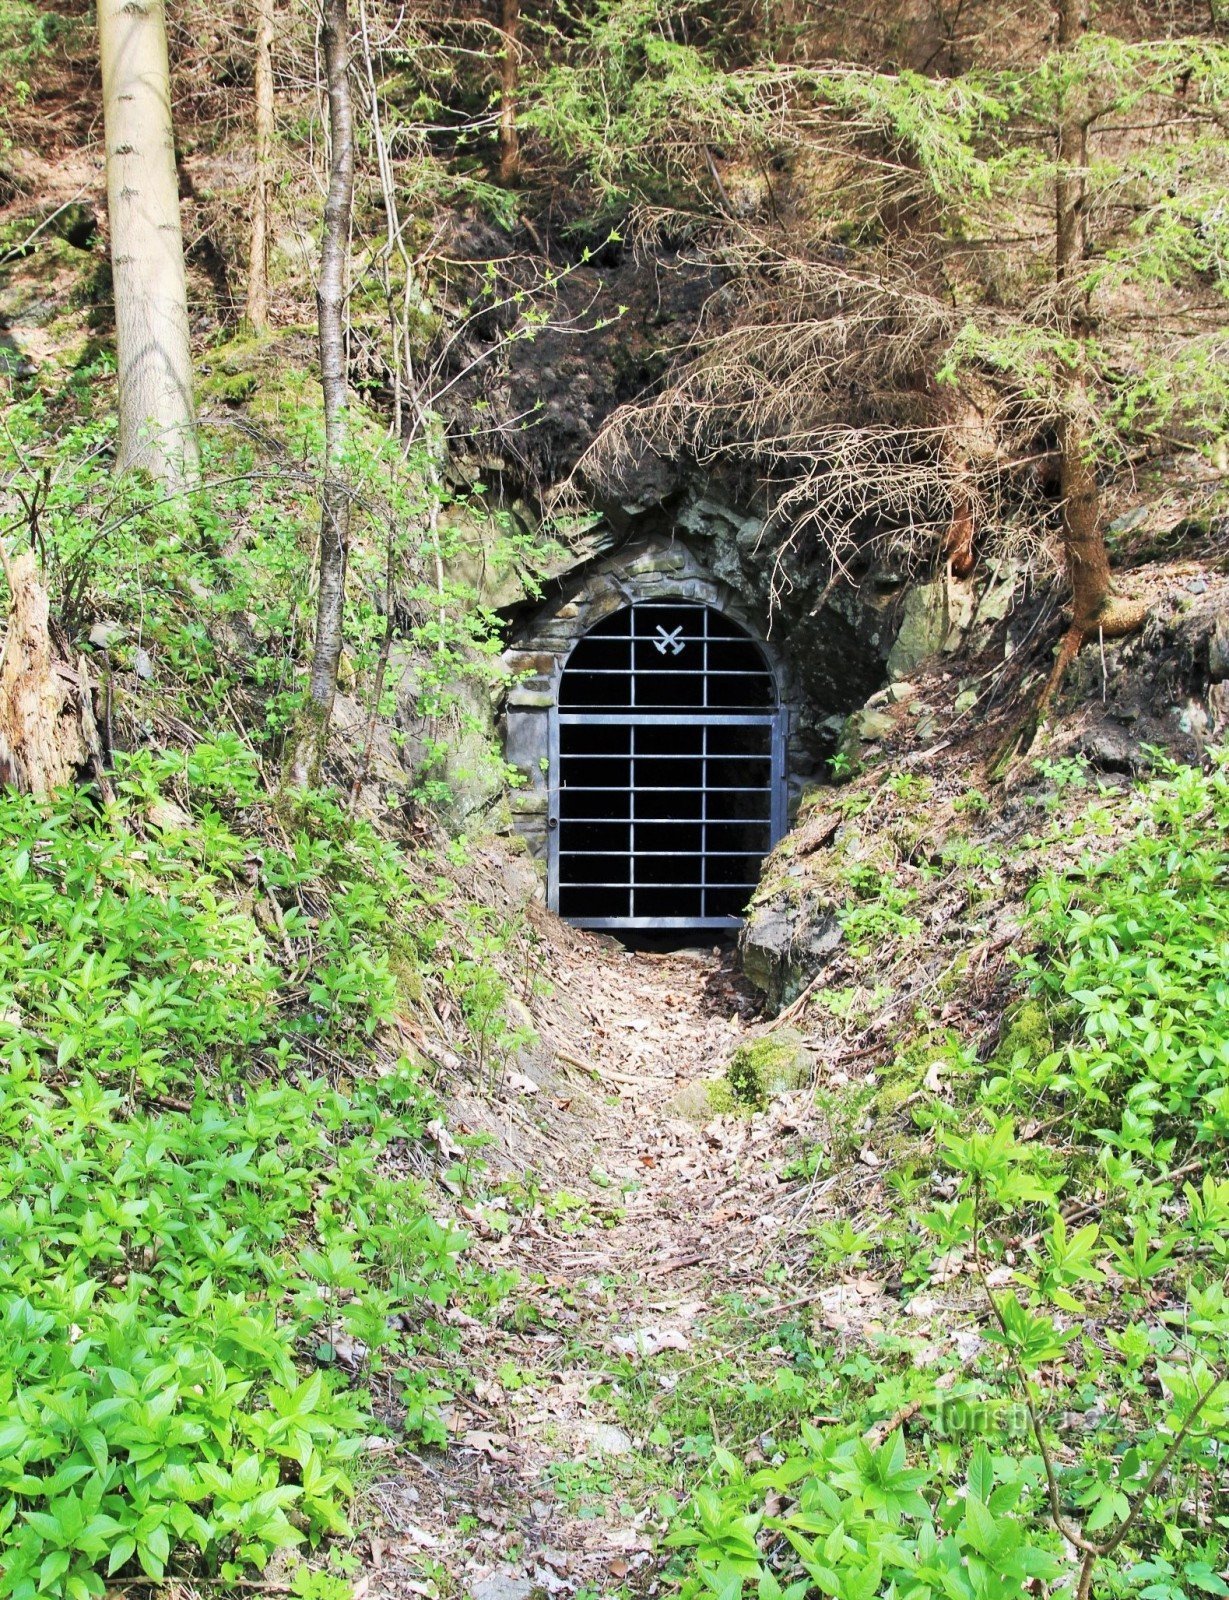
(625, 1223)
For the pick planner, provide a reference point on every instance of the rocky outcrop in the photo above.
(924, 750)
(785, 942)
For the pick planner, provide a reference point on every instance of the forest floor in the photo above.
(631, 1230)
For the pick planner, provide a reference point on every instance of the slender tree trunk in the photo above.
(1070, 218)
(330, 310)
(1093, 610)
(157, 418)
(509, 81)
(256, 308)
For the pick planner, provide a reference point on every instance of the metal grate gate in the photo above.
(668, 771)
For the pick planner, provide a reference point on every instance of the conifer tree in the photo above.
(953, 306)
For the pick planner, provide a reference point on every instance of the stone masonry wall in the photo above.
(652, 569)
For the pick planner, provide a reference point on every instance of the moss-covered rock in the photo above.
(231, 388)
(771, 1064)
(703, 1100)
(1027, 1037)
(231, 373)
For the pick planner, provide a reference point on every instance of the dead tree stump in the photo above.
(48, 736)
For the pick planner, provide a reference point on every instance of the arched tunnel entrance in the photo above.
(667, 770)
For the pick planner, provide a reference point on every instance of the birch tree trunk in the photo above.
(509, 80)
(330, 311)
(256, 307)
(157, 418)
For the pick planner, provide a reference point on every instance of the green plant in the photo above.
(841, 1243)
(840, 766)
(197, 1248)
(877, 910)
(859, 1524)
(971, 803)
(483, 993)
(910, 787)
(1083, 1450)
(1135, 965)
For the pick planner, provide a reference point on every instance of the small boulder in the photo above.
(505, 1583)
(770, 1065)
(702, 1100)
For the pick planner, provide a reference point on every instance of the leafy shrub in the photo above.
(861, 1522)
(1099, 1379)
(1136, 961)
(195, 1233)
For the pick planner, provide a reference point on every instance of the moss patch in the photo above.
(910, 1069)
(1027, 1037)
(231, 388)
(772, 1064)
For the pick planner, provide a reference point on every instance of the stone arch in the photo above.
(650, 573)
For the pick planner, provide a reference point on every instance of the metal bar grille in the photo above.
(667, 780)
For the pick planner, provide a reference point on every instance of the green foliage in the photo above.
(1137, 967)
(862, 1522)
(474, 978)
(209, 594)
(1100, 1381)
(27, 32)
(641, 102)
(612, 94)
(877, 910)
(195, 1236)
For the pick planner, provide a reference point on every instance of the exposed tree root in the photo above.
(1118, 618)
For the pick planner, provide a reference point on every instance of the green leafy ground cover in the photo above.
(214, 1248)
(1064, 1213)
(207, 1218)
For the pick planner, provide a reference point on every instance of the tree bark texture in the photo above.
(157, 418)
(47, 730)
(331, 318)
(256, 307)
(968, 438)
(509, 82)
(1093, 611)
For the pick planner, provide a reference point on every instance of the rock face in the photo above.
(784, 943)
(616, 318)
(1165, 689)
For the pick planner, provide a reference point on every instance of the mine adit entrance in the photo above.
(668, 760)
